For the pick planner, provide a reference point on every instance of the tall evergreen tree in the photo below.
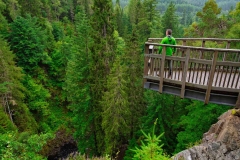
(103, 58)
(170, 20)
(12, 91)
(134, 7)
(149, 20)
(118, 11)
(77, 84)
(116, 111)
(134, 63)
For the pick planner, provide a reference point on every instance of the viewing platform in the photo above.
(198, 72)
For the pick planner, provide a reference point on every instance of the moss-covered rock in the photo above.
(62, 145)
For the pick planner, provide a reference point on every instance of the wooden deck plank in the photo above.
(216, 80)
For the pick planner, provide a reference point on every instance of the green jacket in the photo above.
(168, 40)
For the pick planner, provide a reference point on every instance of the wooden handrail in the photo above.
(199, 39)
(192, 47)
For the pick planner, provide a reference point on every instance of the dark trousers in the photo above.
(169, 67)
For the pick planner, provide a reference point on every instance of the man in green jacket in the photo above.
(169, 50)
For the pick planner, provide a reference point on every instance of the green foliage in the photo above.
(152, 150)
(116, 110)
(167, 109)
(15, 145)
(37, 97)
(11, 84)
(81, 76)
(26, 40)
(58, 31)
(118, 11)
(133, 8)
(198, 120)
(77, 84)
(12, 9)
(209, 19)
(103, 57)
(233, 32)
(3, 21)
(149, 19)
(5, 123)
(170, 21)
(192, 144)
(133, 61)
(210, 24)
(131, 146)
(32, 7)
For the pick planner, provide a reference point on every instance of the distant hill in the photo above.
(189, 5)
(187, 9)
(196, 5)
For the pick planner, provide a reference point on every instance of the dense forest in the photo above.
(73, 68)
(186, 9)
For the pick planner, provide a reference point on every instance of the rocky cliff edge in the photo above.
(221, 142)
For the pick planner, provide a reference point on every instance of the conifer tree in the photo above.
(170, 20)
(12, 91)
(168, 109)
(27, 42)
(12, 9)
(209, 19)
(116, 111)
(3, 20)
(150, 149)
(77, 84)
(86, 4)
(149, 19)
(134, 62)
(103, 58)
(210, 24)
(32, 7)
(118, 11)
(134, 7)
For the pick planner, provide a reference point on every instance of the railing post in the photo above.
(227, 47)
(162, 69)
(183, 52)
(201, 52)
(146, 59)
(184, 76)
(238, 101)
(211, 76)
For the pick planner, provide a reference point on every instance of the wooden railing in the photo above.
(212, 71)
(200, 42)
